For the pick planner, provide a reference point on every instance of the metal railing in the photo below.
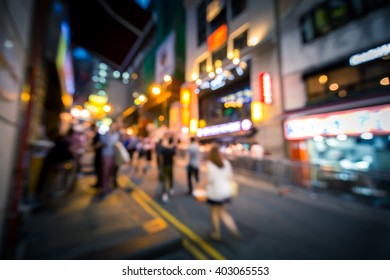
(372, 187)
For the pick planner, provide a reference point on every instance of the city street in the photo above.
(298, 225)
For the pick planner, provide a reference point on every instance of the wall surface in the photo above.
(14, 29)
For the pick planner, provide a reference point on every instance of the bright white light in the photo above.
(125, 81)
(103, 128)
(102, 80)
(218, 71)
(194, 76)
(103, 73)
(236, 61)
(246, 125)
(8, 44)
(95, 78)
(125, 75)
(370, 55)
(239, 71)
(116, 74)
(167, 78)
(75, 112)
(198, 82)
(362, 164)
(254, 41)
(142, 98)
(342, 137)
(85, 114)
(211, 75)
(185, 130)
(318, 138)
(107, 108)
(367, 135)
(103, 66)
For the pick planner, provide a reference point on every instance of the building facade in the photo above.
(232, 73)
(335, 64)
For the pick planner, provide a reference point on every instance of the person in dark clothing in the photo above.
(60, 153)
(167, 151)
(97, 147)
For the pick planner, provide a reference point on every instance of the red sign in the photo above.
(265, 88)
(217, 38)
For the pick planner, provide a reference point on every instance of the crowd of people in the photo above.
(141, 152)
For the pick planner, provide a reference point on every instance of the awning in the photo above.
(113, 30)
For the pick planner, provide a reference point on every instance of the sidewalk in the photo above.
(84, 227)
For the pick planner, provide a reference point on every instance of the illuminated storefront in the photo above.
(357, 139)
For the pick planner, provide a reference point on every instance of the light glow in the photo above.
(224, 128)
(256, 111)
(385, 81)
(370, 55)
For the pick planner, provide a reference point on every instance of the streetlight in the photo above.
(156, 90)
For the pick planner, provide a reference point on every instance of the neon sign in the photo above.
(265, 88)
(352, 122)
(219, 129)
(370, 55)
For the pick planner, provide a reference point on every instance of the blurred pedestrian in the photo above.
(168, 151)
(97, 147)
(108, 158)
(193, 163)
(219, 174)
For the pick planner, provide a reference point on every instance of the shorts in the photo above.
(219, 202)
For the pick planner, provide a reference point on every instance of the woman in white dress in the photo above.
(219, 174)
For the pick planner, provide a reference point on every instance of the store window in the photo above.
(240, 42)
(368, 79)
(219, 54)
(332, 14)
(219, 20)
(238, 6)
(226, 107)
(203, 66)
(338, 10)
(307, 28)
(322, 20)
(201, 23)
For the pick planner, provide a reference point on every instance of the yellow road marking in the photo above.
(154, 225)
(198, 254)
(181, 227)
(145, 206)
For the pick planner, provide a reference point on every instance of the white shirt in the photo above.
(218, 187)
(194, 155)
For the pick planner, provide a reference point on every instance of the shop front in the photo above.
(351, 148)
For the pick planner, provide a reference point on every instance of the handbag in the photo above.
(121, 154)
(233, 187)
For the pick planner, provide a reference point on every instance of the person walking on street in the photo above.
(97, 147)
(168, 151)
(219, 174)
(193, 164)
(108, 158)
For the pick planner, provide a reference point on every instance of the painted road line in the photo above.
(144, 205)
(181, 227)
(193, 250)
(155, 225)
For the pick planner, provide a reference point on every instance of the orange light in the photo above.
(193, 126)
(161, 118)
(217, 38)
(256, 111)
(156, 90)
(185, 97)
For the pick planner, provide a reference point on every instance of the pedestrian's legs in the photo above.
(216, 233)
(228, 221)
(189, 178)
